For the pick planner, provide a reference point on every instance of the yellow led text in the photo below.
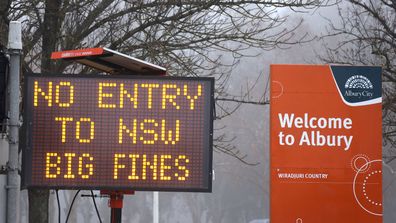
(182, 168)
(103, 95)
(169, 167)
(69, 157)
(166, 97)
(150, 93)
(113, 95)
(82, 123)
(149, 131)
(52, 169)
(91, 125)
(88, 166)
(133, 175)
(117, 165)
(54, 165)
(191, 98)
(64, 87)
(71, 94)
(168, 134)
(151, 165)
(165, 167)
(124, 92)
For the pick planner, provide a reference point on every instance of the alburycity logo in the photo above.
(358, 86)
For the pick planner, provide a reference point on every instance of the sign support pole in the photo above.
(116, 203)
(155, 207)
(13, 179)
(116, 200)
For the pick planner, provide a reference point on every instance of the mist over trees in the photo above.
(189, 38)
(366, 35)
(204, 38)
(367, 31)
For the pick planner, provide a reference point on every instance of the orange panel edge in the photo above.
(76, 53)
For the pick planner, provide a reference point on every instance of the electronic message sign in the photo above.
(118, 132)
(326, 144)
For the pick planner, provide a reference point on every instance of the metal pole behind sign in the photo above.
(13, 179)
(155, 207)
(116, 215)
(3, 205)
(116, 203)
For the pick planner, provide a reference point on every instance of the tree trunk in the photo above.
(4, 7)
(38, 205)
(51, 31)
(38, 198)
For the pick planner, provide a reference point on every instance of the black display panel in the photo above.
(118, 132)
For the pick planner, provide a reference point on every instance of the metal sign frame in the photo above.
(110, 61)
(28, 140)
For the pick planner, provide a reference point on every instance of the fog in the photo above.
(240, 191)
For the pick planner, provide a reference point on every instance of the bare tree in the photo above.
(4, 7)
(368, 33)
(189, 37)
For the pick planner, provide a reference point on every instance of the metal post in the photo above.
(116, 215)
(116, 200)
(155, 207)
(3, 202)
(115, 203)
(3, 176)
(13, 179)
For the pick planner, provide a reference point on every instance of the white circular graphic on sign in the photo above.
(365, 187)
(359, 161)
(277, 84)
(358, 81)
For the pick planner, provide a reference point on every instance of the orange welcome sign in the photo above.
(325, 144)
